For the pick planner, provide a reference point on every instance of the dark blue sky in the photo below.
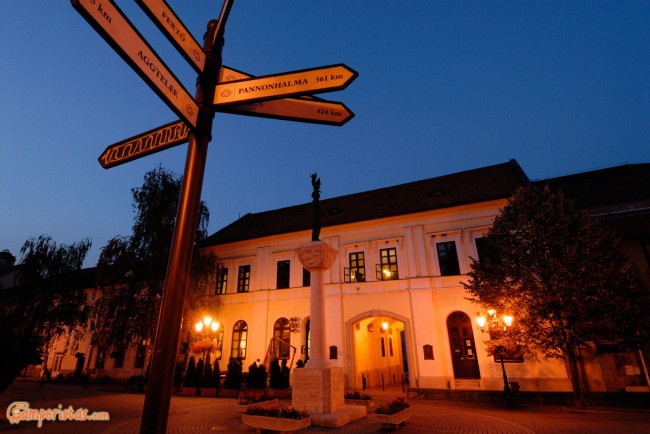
(443, 86)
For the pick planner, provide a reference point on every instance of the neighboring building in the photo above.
(403, 253)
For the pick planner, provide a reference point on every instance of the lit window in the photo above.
(239, 336)
(388, 264)
(357, 267)
(222, 280)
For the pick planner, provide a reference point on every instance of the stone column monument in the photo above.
(319, 388)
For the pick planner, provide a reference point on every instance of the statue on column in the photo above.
(315, 183)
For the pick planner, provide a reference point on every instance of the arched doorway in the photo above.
(462, 345)
(379, 351)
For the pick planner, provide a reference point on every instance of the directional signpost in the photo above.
(219, 89)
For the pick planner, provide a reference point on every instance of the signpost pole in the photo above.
(159, 385)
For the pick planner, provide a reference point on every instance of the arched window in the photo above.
(239, 336)
(281, 339)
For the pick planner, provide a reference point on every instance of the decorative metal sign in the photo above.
(167, 136)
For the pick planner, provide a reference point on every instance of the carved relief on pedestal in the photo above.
(316, 255)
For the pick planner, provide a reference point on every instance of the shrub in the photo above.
(254, 398)
(233, 374)
(357, 395)
(285, 413)
(178, 374)
(394, 406)
(190, 374)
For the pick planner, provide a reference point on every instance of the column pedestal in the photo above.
(318, 389)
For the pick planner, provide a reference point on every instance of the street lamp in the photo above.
(210, 325)
(493, 320)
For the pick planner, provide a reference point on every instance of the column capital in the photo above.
(316, 255)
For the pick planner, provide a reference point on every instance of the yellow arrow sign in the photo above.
(301, 109)
(303, 82)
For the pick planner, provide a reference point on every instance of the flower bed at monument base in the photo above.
(394, 414)
(285, 420)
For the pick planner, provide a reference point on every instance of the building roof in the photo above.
(598, 188)
(471, 186)
(620, 195)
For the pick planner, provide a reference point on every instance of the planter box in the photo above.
(275, 423)
(229, 393)
(240, 408)
(280, 393)
(361, 402)
(187, 391)
(394, 420)
(209, 391)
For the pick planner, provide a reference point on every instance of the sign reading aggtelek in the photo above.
(111, 23)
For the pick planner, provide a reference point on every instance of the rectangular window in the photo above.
(448, 258)
(383, 347)
(357, 267)
(118, 356)
(284, 271)
(306, 277)
(222, 281)
(244, 278)
(388, 264)
(390, 346)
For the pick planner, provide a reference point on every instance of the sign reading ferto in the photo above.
(172, 27)
(111, 23)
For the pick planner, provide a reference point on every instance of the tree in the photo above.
(563, 276)
(131, 270)
(49, 303)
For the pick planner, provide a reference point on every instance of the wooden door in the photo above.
(463, 349)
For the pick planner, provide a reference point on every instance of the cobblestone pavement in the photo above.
(189, 415)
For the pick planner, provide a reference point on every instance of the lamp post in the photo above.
(493, 320)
